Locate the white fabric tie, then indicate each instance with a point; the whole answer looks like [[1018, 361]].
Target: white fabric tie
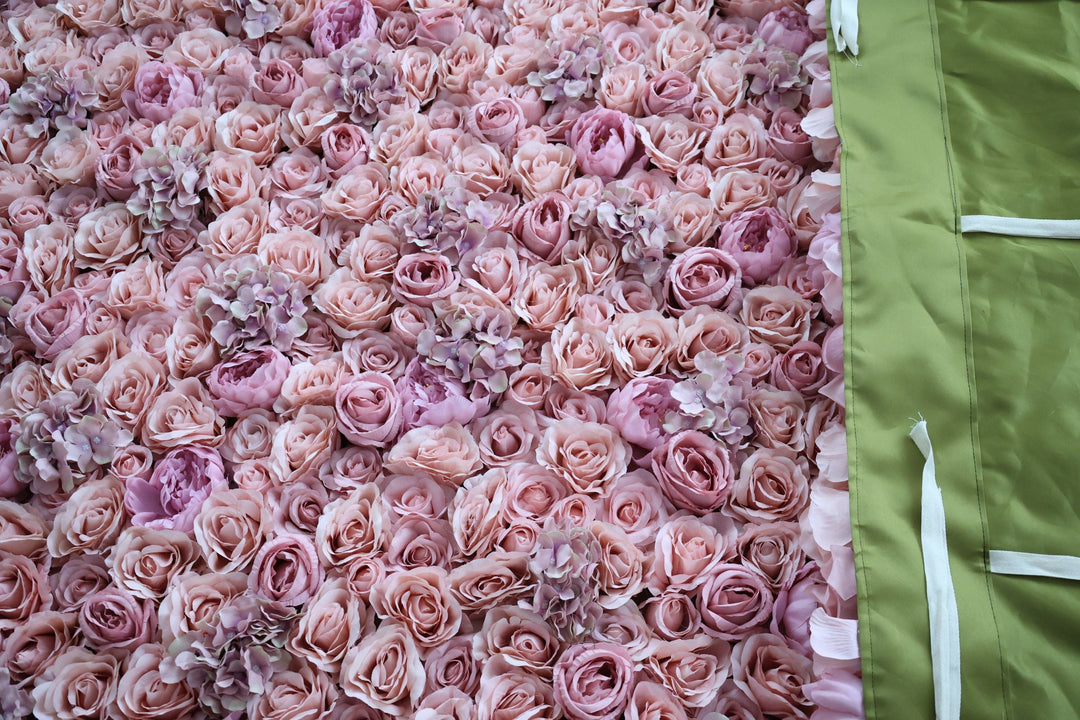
[[1006, 562], [941, 599], [1022, 227], [845, 23]]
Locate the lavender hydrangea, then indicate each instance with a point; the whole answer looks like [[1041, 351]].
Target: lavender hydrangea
[[775, 74], [569, 70], [252, 18], [714, 400], [168, 188], [53, 101], [65, 439], [361, 82], [640, 231], [565, 562], [450, 222], [479, 346], [250, 304], [15, 702], [231, 657]]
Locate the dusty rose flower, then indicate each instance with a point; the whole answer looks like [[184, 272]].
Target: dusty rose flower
[[760, 241], [194, 599], [384, 671], [35, 643], [81, 685], [693, 670], [578, 355], [90, 520], [800, 369], [652, 701], [418, 541], [589, 456], [286, 569], [638, 408], [641, 343], [771, 486], [770, 672], [687, 549], [779, 419], [55, 324], [80, 577], [24, 590], [448, 454], [776, 315], [142, 694], [521, 638], [303, 444], [420, 600], [476, 512], [180, 416], [230, 528], [605, 143], [694, 470], [500, 578], [340, 22], [112, 619], [594, 681], [672, 615], [621, 568], [331, 624], [351, 527], [299, 693], [144, 561], [734, 602], [369, 409], [507, 693], [701, 276], [507, 435], [23, 531]]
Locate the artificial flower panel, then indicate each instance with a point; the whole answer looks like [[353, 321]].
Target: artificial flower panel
[[436, 359]]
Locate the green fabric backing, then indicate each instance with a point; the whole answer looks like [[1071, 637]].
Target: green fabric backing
[[963, 107]]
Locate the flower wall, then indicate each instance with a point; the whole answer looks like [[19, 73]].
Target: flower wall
[[435, 359]]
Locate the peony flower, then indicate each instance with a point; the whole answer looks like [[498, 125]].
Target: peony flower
[[173, 495], [340, 22]]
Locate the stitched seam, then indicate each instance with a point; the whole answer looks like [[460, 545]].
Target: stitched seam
[[968, 344]]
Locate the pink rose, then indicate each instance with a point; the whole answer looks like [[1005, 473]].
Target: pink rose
[[35, 643], [579, 356], [90, 520], [142, 694], [669, 92], [694, 470], [449, 454], [688, 548], [79, 578], [507, 693], [772, 551], [500, 578], [57, 323], [776, 315], [507, 435], [286, 570], [277, 82], [542, 225], [424, 278], [344, 147], [637, 505], [779, 419], [248, 380], [800, 369], [384, 671], [772, 486], [145, 561], [693, 670], [773, 675], [652, 701], [369, 409], [352, 527], [672, 615], [594, 681], [605, 143], [520, 637], [590, 456], [339, 22], [417, 542], [760, 241], [787, 136], [420, 600], [81, 685], [497, 121], [112, 619], [173, 495], [161, 89], [701, 276], [734, 602], [437, 28], [332, 623]]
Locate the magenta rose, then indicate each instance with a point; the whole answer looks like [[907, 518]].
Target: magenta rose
[[161, 89], [694, 471], [339, 22], [112, 619], [605, 143], [248, 380], [760, 241], [286, 570], [175, 492], [594, 681], [369, 409]]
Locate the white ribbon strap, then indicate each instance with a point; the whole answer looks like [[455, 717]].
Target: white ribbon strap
[[1022, 227], [944, 619], [845, 23], [1006, 562]]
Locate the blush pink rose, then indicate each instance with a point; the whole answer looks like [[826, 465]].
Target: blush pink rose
[[772, 486], [247, 381], [590, 456], [384, 671], [421, 601], [773, 675], [776, 315], [605, 143], [734, 602], [594, 681], [701, 276], [112, 619], [760, 241], [82, 684], [339, 22], [542, 225], [694, 470], [161, 89], [55, 325], [800, 369], [688, 548]]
